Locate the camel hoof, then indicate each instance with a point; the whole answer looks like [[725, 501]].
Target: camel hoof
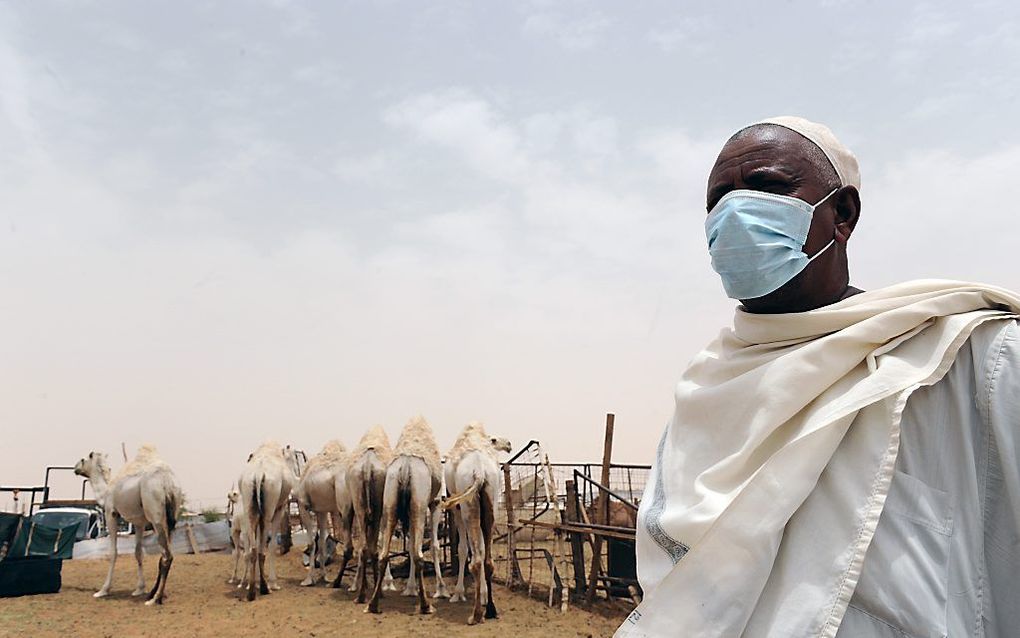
[[139, 591], [352, 589], [307, 582], [427, 610], [101, 594], [457, 598], [372, 610], [409, 592], [274, 587], [153, 601], [389, 587], [492, 614], [475, 620]]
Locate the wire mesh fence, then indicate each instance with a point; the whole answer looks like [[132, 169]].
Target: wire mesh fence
[[550, 521]]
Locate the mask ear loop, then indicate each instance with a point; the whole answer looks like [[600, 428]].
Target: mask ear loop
[[822, 200], [833, 241], [818, 254]]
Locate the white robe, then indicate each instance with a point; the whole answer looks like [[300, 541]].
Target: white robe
[[760, 415]]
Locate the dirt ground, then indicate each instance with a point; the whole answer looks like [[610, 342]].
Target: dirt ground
[[200, 603]]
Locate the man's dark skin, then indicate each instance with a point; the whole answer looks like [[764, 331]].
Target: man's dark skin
[[775, 159]]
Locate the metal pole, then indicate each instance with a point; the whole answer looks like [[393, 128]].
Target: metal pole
[[576, 542], [513, 571]]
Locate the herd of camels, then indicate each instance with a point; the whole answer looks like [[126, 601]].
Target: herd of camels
[[362, 494]]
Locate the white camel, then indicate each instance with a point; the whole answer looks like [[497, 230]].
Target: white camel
[[472, 469], [265, 483], [471, 438], [413, 479], [366, 480], [238, 535], [322, 491], [145, 491]]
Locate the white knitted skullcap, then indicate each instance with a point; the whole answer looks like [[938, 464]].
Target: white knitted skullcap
[[839, 156]]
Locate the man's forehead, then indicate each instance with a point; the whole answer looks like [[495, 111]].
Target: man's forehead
[[775, 147], [766, 141]]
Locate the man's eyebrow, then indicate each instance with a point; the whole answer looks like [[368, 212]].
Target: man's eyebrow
[[761, 178]]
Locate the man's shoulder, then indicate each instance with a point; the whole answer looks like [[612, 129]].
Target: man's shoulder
[[992, 338]]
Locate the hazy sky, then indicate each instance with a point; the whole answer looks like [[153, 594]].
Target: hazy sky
[[221, 222]]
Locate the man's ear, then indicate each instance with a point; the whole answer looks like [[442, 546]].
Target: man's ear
[[847, 207]]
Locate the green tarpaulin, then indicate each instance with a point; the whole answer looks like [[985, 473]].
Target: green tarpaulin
[[8, 526], [39, 540]]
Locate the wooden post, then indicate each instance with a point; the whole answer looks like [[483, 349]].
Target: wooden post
[[561, 556], [602, 511], [195, 549], [576, 541], [513, 571]]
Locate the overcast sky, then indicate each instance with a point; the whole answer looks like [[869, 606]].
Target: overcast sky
[[222, 222]]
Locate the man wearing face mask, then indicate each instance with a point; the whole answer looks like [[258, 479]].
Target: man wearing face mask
[[840, 462]]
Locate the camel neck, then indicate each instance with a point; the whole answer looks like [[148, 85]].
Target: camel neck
[[100, 486]]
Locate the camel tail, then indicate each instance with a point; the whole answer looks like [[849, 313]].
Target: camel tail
[[366, 488], [487, 510], [457, 499], [404, 494], [258, 497], [171, 510]]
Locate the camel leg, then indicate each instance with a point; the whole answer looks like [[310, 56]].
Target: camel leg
[[112, 527], [372, 559], [166, 559], [389, 521], [388, 583], [318, 553], [441, 591], [271, 550], [410, 589], [252, 557], [140, 587], [474, 530], [266, 540], [323, 535], [419, 508], [462, 555], [345, 536], [361, 576], [235, 537], [488, 519]]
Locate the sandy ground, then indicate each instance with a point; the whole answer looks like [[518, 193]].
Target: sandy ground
[[200, 603]]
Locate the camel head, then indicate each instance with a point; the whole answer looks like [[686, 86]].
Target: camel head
[[92, 465], [290, 456], [500, 444]]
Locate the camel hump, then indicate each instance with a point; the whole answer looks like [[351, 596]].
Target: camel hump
[[417, 439]]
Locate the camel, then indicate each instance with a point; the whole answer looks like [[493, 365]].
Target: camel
[[413, 479], [265, 483], [471, 437], [473, 470], [145, 491], [322, 491], [366, 480], [619, 514], [239, 532]]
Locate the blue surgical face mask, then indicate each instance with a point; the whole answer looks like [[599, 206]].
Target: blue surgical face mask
[[756, 241]]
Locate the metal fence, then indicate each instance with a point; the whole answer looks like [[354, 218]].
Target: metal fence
[[553, 528]]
